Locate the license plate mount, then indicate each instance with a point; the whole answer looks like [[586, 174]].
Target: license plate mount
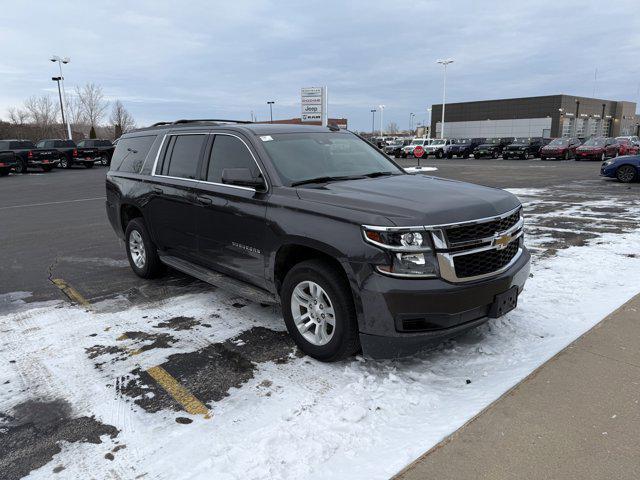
[[503, 303]]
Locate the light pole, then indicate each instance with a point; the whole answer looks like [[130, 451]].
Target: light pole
[[57, 80], [271, 109], [444, 63], [381, 107], [429, 121], [373, 121], [411, 115], [65, 60]]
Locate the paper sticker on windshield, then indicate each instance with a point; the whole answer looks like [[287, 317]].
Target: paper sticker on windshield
[[266, 138]]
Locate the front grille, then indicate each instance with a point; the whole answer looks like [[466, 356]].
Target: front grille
[[465, 233], [484, 262]]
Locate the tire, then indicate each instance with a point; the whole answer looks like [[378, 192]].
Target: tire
[[494, 154], [465, 155], [566, 155], [603, 157], [439, 154], [64, 162], [104, 161], [21, 167], [343, 340], [450, 155], [136, 235], [627, 174], [47, 168], [4, 172], [88, 164]]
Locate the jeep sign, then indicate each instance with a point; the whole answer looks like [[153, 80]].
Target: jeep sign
[[314, 104]]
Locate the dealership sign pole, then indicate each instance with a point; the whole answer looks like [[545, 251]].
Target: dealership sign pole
[[314, 105]]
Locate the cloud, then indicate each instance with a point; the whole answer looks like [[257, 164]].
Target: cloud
[[225, 59]]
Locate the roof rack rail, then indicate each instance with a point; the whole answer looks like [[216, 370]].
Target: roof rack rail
[[157, 124], [210, 120]]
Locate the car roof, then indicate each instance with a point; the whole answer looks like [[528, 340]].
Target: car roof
[[247, 127]]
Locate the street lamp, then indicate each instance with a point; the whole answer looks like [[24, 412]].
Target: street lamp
[[411, 115], [57, 80], [381, 107], [60, 61], [271, 109], [429, 121], [444, 63], [373, 120]]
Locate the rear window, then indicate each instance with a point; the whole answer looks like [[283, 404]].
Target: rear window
[[182, 156], [4, 145], [103, 143], [130, 153], [64, 144]]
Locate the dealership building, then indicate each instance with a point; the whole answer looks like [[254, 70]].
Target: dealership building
[[547, 116]]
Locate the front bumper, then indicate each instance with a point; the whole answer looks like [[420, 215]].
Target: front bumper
[[403, 316], [609, 171], [589, 155]]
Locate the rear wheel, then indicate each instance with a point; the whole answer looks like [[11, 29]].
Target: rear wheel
[[104, 161], [64, 162], [21, 167], [141, 251], [627, 174], [439, 154], [319, 311]]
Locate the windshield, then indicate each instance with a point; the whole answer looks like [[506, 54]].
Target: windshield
[[438, 142], [462, 141], [594, 142], [417, 142], [559, 142], [492, 141], [521, 140], [304, 156]]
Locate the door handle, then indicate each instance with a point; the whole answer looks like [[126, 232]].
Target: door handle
[[204, 200], [157, 190]]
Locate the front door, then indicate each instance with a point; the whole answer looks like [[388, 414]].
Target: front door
[[231, 221], [172, 206]]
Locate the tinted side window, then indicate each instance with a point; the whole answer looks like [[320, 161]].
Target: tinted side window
[[4, 145], [130, 153], [84, 143], [229, 152], [183, 153]]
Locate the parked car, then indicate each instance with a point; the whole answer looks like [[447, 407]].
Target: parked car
[[358, 252], [626, 146], [69, 153], [523, 148], [105, 148], [438, 147], [632, 138], [492, 147], [407, 151], [560, 149], [597, 148], [396, 147], [463, 147], [27, 155], [8, 161], [626, 169]]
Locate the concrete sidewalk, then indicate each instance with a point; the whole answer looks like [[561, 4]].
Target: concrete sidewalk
[[576, 417]]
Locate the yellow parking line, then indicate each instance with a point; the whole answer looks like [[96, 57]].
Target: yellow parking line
[[180, 394], [71, 292]]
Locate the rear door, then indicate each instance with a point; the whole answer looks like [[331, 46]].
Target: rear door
[[231, 219], [171, 208]]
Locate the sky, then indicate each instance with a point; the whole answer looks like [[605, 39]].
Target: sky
[[225, 59]]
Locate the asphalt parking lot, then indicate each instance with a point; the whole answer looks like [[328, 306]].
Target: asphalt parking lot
[[216, 355]]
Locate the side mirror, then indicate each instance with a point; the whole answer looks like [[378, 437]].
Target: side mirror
[[242, 177]]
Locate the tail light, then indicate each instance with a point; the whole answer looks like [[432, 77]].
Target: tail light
[[29, 154], [75, 152]]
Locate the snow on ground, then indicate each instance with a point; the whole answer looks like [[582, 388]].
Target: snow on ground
[[420, 169], [359, 419]]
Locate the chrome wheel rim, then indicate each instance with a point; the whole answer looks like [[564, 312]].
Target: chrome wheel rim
[[313, 313], [136, 248]]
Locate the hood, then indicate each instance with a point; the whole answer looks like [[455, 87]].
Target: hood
[[554, 147], [487, 145], [589, 148], [413, 199]]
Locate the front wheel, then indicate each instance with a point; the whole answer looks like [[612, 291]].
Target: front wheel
[[319, 312], [439, 154], [627, 174], [104, 161], [64, 162], [494, 155], [141, 251]]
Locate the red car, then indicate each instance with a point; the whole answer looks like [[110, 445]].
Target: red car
[[626, 147], [560, 149], [597, 148]]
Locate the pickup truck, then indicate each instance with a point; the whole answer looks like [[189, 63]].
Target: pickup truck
[[27, 155], [105, 148], [8, 162], [360, 254], [69, 153]]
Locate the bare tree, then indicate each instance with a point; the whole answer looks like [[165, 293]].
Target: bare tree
[[392, 128], [18, 116], [74, 112], [43, 114], [121, 119], [92, 103]]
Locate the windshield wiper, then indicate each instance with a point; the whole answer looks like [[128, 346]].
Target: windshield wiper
[[325, 179], [379, 174]]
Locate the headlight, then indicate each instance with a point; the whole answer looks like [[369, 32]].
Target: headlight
[[410, 251]]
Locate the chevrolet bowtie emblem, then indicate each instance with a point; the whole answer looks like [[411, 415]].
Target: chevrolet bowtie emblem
[[502, 241]]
